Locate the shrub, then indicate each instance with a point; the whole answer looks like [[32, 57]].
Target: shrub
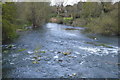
[[106, 24]]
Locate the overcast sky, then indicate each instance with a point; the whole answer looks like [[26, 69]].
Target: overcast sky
[[72, 2], [65, 2]]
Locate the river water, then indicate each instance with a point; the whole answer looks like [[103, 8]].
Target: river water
[[59, 51]]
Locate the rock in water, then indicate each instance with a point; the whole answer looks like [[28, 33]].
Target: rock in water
[[30, 52], [55, 57]]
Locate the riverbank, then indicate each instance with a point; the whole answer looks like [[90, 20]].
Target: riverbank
[[92, 26], [98, 18]]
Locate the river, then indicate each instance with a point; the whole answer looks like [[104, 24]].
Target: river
[[60, 51]]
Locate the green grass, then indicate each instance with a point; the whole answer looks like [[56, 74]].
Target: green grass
[[68, 18], [21, 50], [42, 52]]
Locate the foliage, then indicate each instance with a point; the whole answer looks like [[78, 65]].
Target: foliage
[[16, 16], [91, 9], [36, 12], [8, 21], [0, 23], [81, 22], [106, 24], [98, 17]]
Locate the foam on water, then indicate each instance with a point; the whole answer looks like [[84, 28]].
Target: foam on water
[[100, 51]]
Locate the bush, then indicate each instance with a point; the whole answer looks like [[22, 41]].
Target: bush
[[106, 24], [8, 21], [9, 31], [79, 22]]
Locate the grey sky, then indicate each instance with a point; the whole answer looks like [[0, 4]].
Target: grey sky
[[65, 2]]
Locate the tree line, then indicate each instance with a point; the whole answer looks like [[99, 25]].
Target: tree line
[[98, 17], [17, 15]]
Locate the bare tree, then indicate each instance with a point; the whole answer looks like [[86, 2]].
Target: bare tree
[[35, 12]]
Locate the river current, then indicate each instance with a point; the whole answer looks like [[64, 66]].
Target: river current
[[60, 51]]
